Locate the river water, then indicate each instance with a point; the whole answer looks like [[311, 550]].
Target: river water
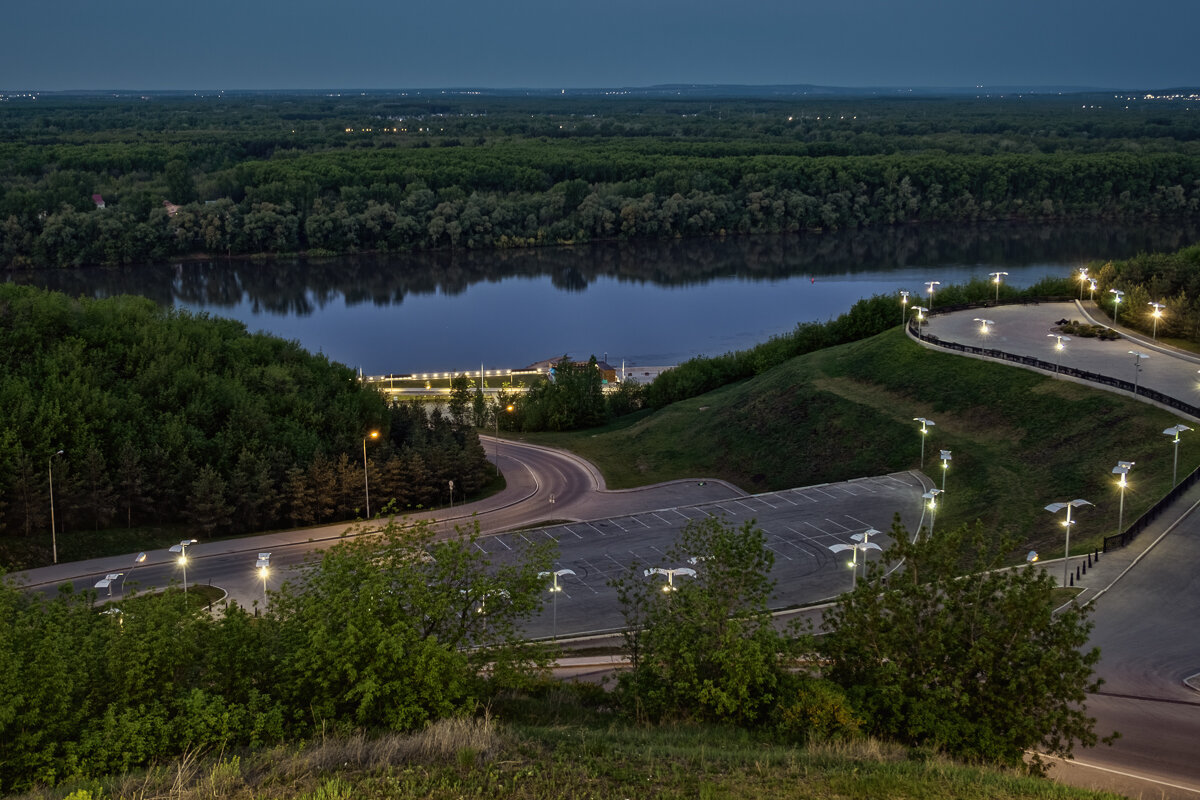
[[644, 303]]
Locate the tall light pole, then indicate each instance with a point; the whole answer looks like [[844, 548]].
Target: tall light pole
[[107, 581], [996, 279], [1175, 430], [926, 424], [670, 573], [1157, 314], [138, 559], [1083, 278], [1091, 291], [366, 479], [53, 533], [863, 543], [903, 307], [263, 565], [1058, 348], [945, 467], [1117, 295], [983, 325], [931, 496], [932, 284], [1054, 508], [1122, 469], [920, 315], [181, 548], [555, 589], [1137, 367]]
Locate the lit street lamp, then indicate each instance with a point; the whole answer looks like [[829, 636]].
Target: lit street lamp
[[996, 279], [931, 496], [555, 589], [1091, 291], [1117, 295], [945, 467], [670, 573], [181, 548], [138, 559], [1122, 469], [862, 542], [263, 565], [1137, 367], [367, 480], [903, 307], [932, 284], [1054, 508], [983, 325], [926, 424], [1058, 348], [53, 533], [920, 315], [1157, 314], [107, 581], [1175, 430], [1083, 278]]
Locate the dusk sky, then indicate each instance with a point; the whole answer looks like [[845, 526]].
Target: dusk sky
[[382, 44]]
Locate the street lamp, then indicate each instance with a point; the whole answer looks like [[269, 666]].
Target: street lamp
[[53, 533], [1058, 348], [181, 548], [1117, 295], [670, 573], [367, 480], [1158, 307], [1054, 508], [926, 424], [862, 541], [138, 559], [1122, 469], [107, 581], [1091, 291], [903, 307], [263, 565], [555, 589], [932, 284], [1175, 430], [931, 496], [1083, 278], [983, 325], [945, 467], [996, 277], [920, 315], [1137, 367]]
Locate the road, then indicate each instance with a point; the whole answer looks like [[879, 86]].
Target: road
[[598, 532]]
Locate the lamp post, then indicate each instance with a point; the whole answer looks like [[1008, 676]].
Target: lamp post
[[903, 307], [263, 565], [181, 548], [555, 589], [920, 315], [138, 559], [1122, 469], [1083, 278], [932, 284], [862, 542], [1137, 367], [1091, 290], [1117, 295], [983, 325], [1157, 314], [996, 278], [1058, 348], [53, 533], [931, 496], [926, 424], [1054, 508], [945, 467], [366, 479], [1175, 430], [107, 581]]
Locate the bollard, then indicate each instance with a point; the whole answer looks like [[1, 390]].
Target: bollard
[[1072, 581], [1089, 559], [1076, 573]]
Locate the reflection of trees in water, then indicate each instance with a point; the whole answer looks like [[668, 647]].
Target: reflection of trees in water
[[300, 287]]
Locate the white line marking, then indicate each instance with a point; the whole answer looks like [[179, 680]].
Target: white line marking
[[568, 528]]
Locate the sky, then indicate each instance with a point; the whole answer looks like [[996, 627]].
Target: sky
[[56, 45]]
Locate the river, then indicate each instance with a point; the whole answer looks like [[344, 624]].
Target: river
[[643, 303]]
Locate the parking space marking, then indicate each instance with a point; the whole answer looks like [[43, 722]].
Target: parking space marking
[[776, 552], [660, 519], [500, 539], [549, 536], [614, 522], [866, 525], [568, 528], [638, 521], [748, 507], [593, 527], [785, 498], [726, 510]]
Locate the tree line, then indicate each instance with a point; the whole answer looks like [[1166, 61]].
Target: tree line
[[1170, 280], [145, 416]]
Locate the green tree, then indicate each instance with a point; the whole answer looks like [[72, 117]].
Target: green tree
[[704, 646], [958, 653], [207, 506]]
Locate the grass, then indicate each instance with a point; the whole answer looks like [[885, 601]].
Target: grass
[[1020, 440], [554, 748]]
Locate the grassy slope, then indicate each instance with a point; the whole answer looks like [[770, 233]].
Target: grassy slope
[[1020, 440]]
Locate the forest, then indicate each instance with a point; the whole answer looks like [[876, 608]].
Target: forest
[[284, 174], [145, 416]]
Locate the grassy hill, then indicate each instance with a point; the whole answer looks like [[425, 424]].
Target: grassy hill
[[1020, 440]]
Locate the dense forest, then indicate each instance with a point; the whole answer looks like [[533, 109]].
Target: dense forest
[[1160, 292], [252, 174], [151, 416]]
